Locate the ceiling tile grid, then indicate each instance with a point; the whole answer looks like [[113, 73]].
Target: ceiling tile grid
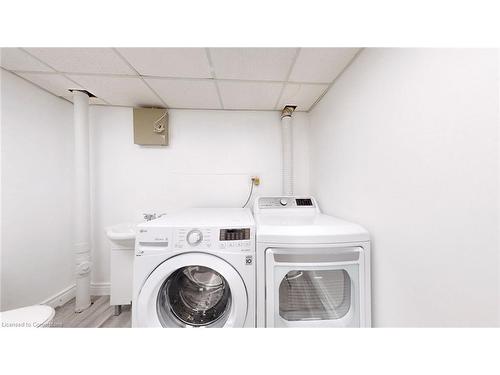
[[252, 64], [250, 95], [82, 60], [302, 95], [168, 62], [121, 91], [195, 78], [17, 59], [321, 64], [181, 93], [57, 84]]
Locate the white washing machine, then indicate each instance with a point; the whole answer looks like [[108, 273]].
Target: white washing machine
[[313, 270], [195, 268]]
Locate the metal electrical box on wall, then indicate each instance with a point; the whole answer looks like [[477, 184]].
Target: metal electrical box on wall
[[150, 126]]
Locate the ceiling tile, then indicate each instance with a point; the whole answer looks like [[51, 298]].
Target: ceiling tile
[[126, 91], [83, 60], [249, 95], [266, 64], [57, 84], [169, 62], [16, 59], [301, 95], [321, 64], [92, 101], [181, 93]]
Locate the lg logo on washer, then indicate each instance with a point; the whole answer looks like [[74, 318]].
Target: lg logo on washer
[[152, 239]]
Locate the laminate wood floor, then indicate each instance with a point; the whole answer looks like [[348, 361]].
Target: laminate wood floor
[[98, 315]]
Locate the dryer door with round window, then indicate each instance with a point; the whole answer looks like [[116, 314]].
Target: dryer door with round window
[[193, 290], [318, 287]]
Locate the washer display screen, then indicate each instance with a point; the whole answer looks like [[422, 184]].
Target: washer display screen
[[234, 234]]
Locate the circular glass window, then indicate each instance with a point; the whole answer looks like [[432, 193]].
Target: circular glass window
[[195, 296]]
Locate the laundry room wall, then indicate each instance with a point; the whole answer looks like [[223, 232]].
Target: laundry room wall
[[498, 171], [37, 157], [406, 143], [208, 163]]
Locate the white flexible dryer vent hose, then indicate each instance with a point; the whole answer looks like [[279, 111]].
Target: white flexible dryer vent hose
[[287, 145]]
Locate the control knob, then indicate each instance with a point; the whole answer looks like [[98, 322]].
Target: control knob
[[194, 237], [283, 202]]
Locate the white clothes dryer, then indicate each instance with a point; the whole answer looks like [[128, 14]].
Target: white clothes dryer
[[195, 268], [313, 270]]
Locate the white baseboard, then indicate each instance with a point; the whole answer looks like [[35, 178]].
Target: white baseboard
[[67, 294], [100, 289], [60, 298]]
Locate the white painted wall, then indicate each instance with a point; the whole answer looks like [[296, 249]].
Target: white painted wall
[[37, 157], [208, 163], [406, 143], [498, 173]]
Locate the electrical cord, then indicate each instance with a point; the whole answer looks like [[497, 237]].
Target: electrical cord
[[159, 125], [249, 195]]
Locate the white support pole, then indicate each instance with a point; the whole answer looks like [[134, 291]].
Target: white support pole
[[81, 230], [287, 147]]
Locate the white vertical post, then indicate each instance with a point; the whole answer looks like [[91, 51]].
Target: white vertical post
[[81, 230], [287, 145]]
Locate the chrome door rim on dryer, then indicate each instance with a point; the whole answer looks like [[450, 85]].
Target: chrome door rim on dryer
[[148, 300]]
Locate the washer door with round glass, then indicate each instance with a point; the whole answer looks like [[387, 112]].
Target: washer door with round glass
[[193, 290]]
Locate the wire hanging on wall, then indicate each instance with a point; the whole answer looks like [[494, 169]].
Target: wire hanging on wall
[[249, 195], [160, 124]]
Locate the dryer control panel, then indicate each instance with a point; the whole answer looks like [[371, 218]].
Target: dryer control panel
[[286, 202]]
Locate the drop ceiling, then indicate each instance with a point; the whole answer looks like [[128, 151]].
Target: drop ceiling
[[195, 78]]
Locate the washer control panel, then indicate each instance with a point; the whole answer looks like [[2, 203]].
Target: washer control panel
[[213, 238]]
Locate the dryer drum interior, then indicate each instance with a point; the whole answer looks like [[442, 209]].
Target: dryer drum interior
[[315, 295], [195, 295]]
